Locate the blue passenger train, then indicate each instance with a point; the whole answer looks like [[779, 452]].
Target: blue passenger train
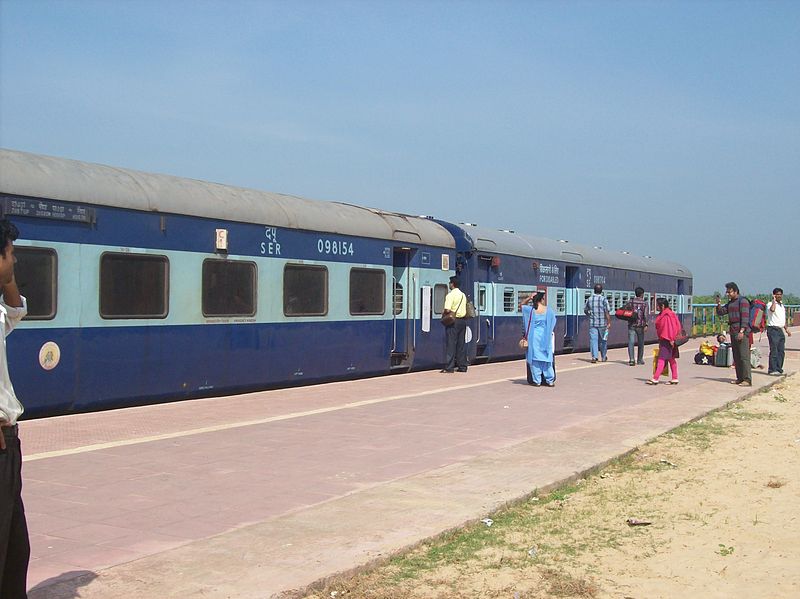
[[145, 288]]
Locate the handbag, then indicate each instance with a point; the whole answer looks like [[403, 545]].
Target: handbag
[[681, 338], [470, 310], [628, 314], [523, 343], [449, 318]]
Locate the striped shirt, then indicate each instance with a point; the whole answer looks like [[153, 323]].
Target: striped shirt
[[597, 308], [738, 312]]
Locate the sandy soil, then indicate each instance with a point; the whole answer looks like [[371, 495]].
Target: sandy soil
[[722, 496]]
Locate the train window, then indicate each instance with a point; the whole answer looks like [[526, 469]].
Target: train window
[[36, 275], [610, 298], [618, 303], [133, 286], [439, 293], [561, 301], [482, 299], [367, 291], [229, 288], [305, 290], [398, 298], [508, 300], [522, 296]]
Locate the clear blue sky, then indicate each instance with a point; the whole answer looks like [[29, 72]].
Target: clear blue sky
[[662, 128]]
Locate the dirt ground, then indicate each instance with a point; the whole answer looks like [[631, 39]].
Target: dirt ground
[[722, 496]]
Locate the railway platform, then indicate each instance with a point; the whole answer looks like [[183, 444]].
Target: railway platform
[[253, 495]]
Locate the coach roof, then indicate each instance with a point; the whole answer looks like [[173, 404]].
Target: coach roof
[[36, 176], [484, 239]]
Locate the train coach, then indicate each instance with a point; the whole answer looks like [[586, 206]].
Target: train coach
[[144, 288], [501, 268]]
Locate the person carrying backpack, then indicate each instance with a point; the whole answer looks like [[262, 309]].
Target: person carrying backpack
[[738, 311], [637, 326]]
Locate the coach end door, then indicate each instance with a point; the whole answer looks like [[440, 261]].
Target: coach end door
[[573, 308], [403, 310], [484, 323]]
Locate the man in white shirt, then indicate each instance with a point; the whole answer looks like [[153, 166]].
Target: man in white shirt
[[776, 326], [14, 544]]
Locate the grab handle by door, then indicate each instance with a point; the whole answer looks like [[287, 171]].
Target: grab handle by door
[[394, 314]]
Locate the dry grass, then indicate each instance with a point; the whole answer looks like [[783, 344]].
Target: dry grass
[[573, 542], [563, 584]]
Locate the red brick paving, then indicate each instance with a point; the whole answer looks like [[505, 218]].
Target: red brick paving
[[276, 460]]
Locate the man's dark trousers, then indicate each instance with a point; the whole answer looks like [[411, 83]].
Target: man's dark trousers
[[15, 548], [777, 348], [456, 345], [741, 358]]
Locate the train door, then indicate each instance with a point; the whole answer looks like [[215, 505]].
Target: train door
[[573, 307], [404, 310], [681, 307], [484, 322]]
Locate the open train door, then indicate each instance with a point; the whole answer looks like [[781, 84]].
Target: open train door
[[484, 321], [683, 308], [572, 309], [404, 310]]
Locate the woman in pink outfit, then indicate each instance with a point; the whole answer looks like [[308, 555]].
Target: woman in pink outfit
[[668, 327]]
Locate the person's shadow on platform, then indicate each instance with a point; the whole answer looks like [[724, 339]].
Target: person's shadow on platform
[[719, 379], [63, 586]]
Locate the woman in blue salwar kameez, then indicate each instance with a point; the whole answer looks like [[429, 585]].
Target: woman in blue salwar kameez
[[539, 356]]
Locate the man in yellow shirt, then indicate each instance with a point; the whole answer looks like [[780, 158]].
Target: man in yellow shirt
[[455, 303]]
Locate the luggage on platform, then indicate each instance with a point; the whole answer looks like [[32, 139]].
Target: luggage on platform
[[655, 364], [755, 357], [724, 355], [703, 359]]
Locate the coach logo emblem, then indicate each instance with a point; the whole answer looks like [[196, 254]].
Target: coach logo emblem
[[49, 355]]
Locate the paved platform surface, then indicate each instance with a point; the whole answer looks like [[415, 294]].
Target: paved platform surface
[[249, 496]]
